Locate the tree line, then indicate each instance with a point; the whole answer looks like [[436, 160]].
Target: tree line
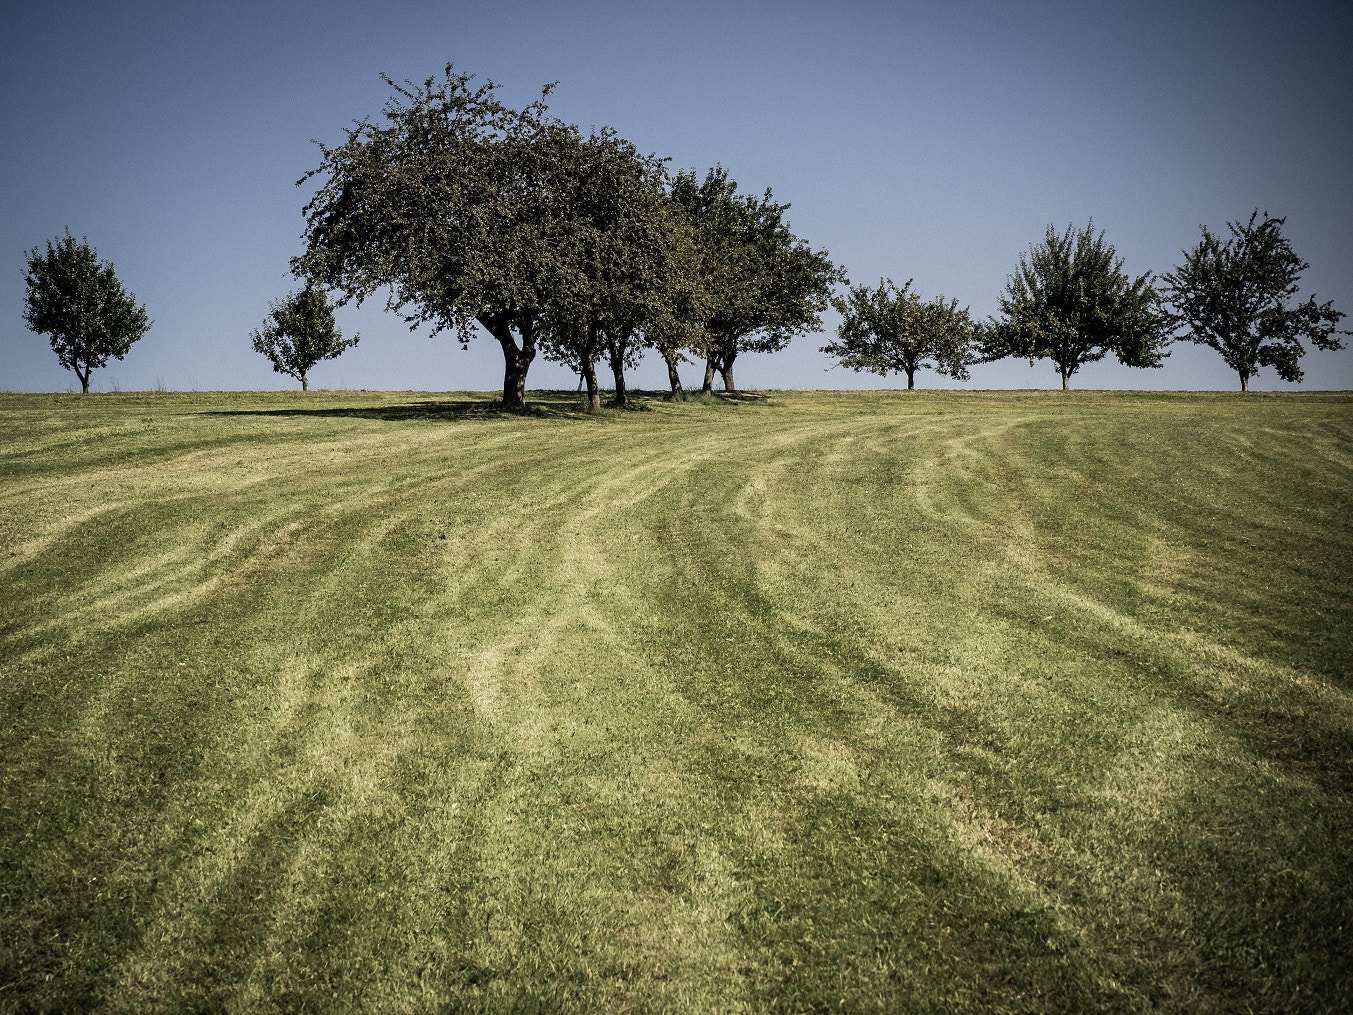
[[480, 219]]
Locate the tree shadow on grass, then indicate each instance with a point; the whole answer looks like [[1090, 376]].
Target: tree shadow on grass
[[560, 405], [539, 405]]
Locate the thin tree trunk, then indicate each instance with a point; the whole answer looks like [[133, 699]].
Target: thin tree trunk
[[911, 379], [673, 377], [589, 372], [305, 385], [1065, 378], [84, 379], [708, 387], [617, 358]]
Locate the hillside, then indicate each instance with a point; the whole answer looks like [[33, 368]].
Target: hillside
[[940, 701]]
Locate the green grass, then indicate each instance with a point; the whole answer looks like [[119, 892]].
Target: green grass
[[922, 702]]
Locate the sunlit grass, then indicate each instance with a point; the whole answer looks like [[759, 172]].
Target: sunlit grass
[[897, 702]]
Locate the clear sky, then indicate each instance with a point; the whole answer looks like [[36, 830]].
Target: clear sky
[[932, 141]]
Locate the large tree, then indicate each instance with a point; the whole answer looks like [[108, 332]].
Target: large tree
[[890, 330], [1235, 297], [766, 285], [78, 302], [299, 332], [1069, 301], [454, 202]]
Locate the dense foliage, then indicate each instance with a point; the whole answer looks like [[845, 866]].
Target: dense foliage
[[890, 330], [1069, 301], [1235, 297], [301, 331], [79, 303]]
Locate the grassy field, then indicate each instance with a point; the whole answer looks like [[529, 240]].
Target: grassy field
[[931, 702]]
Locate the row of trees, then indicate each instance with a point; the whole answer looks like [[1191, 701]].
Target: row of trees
[[472, 215], [1070, 302], [476, 218]]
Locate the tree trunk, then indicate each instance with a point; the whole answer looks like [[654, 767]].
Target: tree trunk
[[589, 372], [617, 358], [1065, 378], [514, 381], [516, 359], [1244, 381], [673, 377], [84, 379], [726, 372], [305, 385], [708, 387], [911, 379]]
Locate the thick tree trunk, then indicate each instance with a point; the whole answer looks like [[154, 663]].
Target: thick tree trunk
[[708, 387], [305, 385], [1066, 377], [516, 359], [514, 381], [911, 379], [726, 372], [1244, 382], [673, 378]]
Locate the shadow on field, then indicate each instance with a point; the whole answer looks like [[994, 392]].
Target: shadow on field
[[539, 405]]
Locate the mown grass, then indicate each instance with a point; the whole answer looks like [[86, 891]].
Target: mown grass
[[942, 701]]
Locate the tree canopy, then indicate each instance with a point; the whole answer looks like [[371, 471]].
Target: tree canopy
[[890, 330], [1235, 297], [764, 284], [1069, 301], [299, 332], [79, 303]]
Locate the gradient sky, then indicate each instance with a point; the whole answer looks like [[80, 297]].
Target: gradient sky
[[913, 140]]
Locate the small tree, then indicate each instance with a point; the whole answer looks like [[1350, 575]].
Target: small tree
[[1070, 302], [79, 303], [890, 330], [299, 332], [1234, 297]]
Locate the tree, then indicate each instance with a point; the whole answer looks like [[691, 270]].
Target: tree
[[453, 201], [1234, 297], [765, 285], [299, 332], [79, 303], [890, 330], [623, 264], [1070, 302]]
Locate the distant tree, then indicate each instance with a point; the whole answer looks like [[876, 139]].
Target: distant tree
[[299, 332], [765, 285], [1069, 301], [453, 201], [890, 330], [1235, 298], [78, 302]]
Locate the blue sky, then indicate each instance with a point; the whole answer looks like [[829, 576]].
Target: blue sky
[[926, 141]]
